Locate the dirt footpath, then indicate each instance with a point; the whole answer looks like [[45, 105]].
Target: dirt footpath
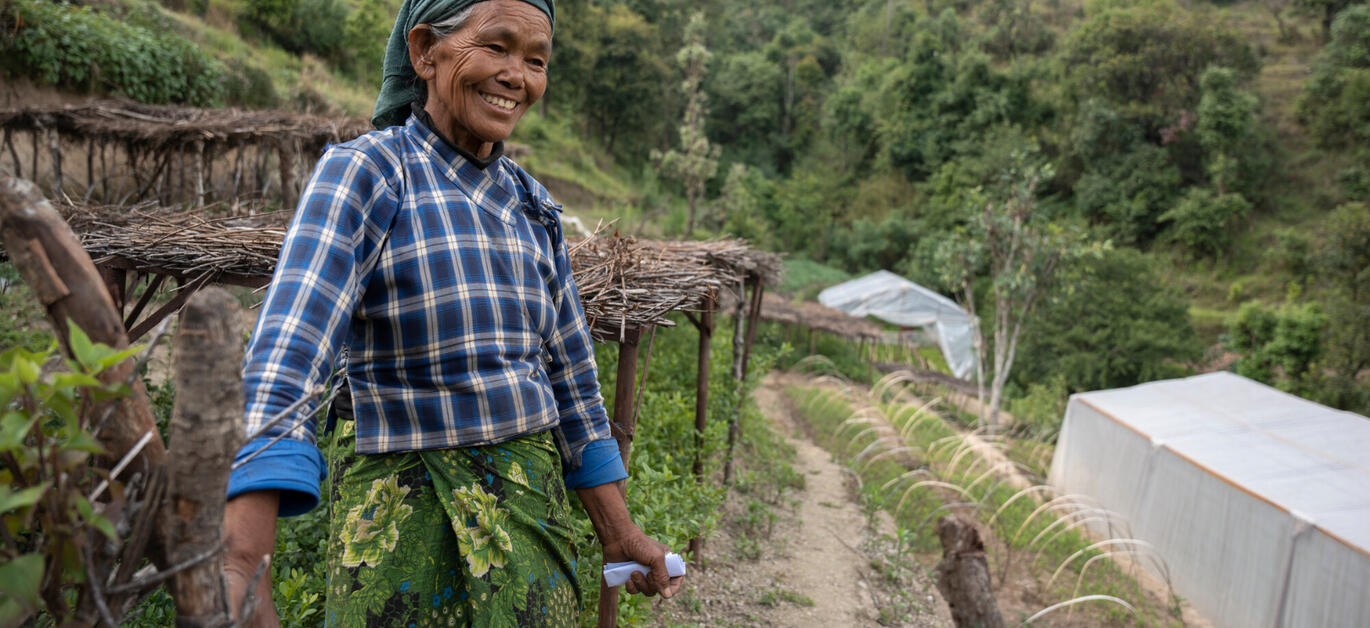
[[816, 569]]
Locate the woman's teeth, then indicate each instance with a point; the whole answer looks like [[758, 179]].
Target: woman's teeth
[[502, 103]]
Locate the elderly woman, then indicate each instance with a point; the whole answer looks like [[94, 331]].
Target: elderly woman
[[439, 266]]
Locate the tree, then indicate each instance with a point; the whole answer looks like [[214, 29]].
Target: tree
[[1226, 120], [1022, 255], [1336, 101], [1145, 59], [1329, 10], [1345, 265], [1120, 323], [697, 160]]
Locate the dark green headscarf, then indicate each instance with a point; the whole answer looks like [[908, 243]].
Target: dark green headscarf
[[397, 88]]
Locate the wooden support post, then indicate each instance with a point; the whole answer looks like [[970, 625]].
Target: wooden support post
[[623, 425], [104, 172], [963, 575], [55, 147], [199, 174], [205, 435], [286, 154], [734, 422], [14, 154], [706, 334], [62, 277]]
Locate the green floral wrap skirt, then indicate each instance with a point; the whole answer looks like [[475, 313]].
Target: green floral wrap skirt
[[476, 536]]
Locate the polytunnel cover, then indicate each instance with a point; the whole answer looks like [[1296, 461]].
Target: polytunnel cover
[[898, 301], [1257, 500]]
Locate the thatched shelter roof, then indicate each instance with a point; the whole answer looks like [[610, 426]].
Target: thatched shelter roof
[[624, 282], [160, 127]]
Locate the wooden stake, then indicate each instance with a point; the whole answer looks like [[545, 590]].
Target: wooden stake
[[623, 425], [199, 174], [204, 433], [706, 334], [734, 422]]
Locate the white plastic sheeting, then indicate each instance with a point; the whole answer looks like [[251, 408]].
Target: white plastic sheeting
[[1258, 501], [898, 301]]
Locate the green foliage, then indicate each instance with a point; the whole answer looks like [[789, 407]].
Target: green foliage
[[1336, 100], [50, 526], [84, 49], [1146, 59], [941, 100], [602, 70], [1203, 221], [313, 26], [1041, 410], [697, 160], [1344, 265], [1119, 323], [26, 329], [1128, 193], [1278, 346], [365, 33], [1225, 126]]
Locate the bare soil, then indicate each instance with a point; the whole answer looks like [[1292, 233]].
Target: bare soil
[[816, 568]]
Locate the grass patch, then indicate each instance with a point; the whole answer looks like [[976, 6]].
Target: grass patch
[[776, 597]]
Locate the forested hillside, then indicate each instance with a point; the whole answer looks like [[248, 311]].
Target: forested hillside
[[1201, 167]]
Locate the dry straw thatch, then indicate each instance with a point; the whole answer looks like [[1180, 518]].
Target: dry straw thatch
[[157, 127], [624, 282]]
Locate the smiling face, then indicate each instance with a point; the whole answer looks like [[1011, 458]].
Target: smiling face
[[485, 75]]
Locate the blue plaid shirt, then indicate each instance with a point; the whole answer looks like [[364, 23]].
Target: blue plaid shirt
[[451, 289]]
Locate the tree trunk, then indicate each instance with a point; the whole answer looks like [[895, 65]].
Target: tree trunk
[[963, 575], [205, 434]]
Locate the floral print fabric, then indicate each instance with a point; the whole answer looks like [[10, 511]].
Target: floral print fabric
[[476, 536]]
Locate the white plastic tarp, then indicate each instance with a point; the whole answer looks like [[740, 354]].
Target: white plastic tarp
[[898, 301], [1258, 501]]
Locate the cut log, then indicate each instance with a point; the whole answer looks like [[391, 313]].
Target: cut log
[[50, 259], [963, 575], [205, 434]]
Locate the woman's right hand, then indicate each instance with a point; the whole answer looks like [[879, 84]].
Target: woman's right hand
[[250, 535]]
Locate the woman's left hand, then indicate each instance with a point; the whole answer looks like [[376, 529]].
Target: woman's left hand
[[623, 540], [640, 548]]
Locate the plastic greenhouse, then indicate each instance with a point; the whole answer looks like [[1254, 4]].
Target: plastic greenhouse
[[898, 301], [1258, 501]]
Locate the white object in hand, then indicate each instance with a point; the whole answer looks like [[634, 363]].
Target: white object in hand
[[617, 574]]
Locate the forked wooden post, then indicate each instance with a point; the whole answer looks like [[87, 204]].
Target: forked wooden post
[[208, 356], [623, 424]]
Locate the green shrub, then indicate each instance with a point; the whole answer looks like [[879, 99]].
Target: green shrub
[[312, 26], [1336, 100], [81, 48], [1202, 221]]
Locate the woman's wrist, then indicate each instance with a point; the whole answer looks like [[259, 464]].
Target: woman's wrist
[[608, 512]]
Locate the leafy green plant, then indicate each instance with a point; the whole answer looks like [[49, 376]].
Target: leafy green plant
[[85, 49], [51, 526]]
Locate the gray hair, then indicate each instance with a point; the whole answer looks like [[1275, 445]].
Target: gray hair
[[444, 28]]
